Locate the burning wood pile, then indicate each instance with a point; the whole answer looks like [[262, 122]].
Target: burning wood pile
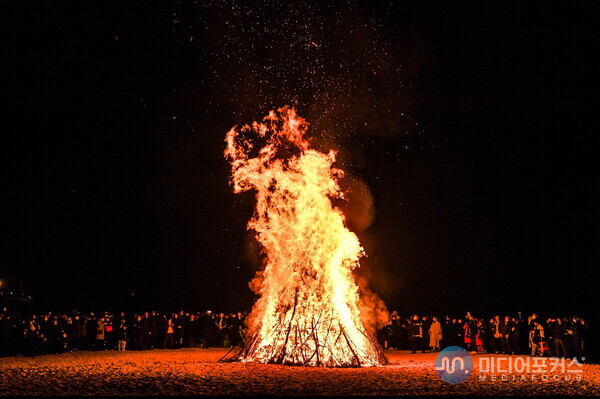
[[307, 312]]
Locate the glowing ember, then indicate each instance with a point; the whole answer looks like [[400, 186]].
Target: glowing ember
[[308, 310]]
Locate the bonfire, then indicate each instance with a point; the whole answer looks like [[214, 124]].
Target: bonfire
[[307, 312]]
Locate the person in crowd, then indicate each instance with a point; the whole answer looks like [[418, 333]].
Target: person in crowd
[[32, 337], [196, 330], [221, 323], [574, 330], [91, 331], [100, 337], [207, 324], [496, 333], [383, 335], [136, 333], [143, 331], [447, 328], [153, 341], [395, 327], [514, 334], [178, 330], [189, 338], [49, 334], [479, 334], [84, 341], [537, 335], [169, 334], [469, 331], [109, 332], [234, 325], [185, 329], [505, 328], [435, 334], [584, 335], [122, 336], [161, 327], [416, 334], [426, 324], [69, 331], [457, 332], [556, 331], [61, 341], [146, 332], [77, 332]]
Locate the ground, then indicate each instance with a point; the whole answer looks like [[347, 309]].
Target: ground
[[196, 372]]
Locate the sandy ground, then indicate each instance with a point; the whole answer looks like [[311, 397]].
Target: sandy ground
[[196, 372]]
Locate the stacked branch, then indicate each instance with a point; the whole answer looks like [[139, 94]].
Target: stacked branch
[[317, 340]]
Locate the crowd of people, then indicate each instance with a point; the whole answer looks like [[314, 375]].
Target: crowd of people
[[56, 333], [552, 336]]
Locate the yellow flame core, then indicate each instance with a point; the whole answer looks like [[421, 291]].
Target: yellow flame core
[[307, 312]]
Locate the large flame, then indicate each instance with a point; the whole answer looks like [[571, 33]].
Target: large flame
[[307, 312]]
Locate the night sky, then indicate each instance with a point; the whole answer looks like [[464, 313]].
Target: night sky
[[465, 128]]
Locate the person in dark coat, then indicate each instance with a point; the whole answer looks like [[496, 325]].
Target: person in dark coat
[[383, 335], [32, 337], [197, 331], [447, 328], [44, 325], [77, 332], [584, 334], [146, 332], [17, 337], [496, 326], [416, 334], [523, 334], [556, 331], [185, 330], [69, 330], [515, 336], [456, 332], [178, 330], [62, 341], [190, 336], [91, 332], [395, 327], [505, 328], [426, 325], [574, 330], [136, 333], [154, 338], [403, 334], [208, 327]]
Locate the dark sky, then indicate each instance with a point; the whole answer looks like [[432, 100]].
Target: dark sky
[[470, 124]]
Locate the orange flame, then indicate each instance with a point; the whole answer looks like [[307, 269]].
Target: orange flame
[[307, 312]]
